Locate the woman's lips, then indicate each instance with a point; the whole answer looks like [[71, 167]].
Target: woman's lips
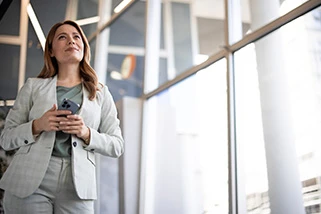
[[71, 49]]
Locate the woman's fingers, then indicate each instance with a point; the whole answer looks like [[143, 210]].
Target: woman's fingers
[[73, 125]]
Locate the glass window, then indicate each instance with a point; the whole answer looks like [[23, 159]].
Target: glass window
[[89, 29], [127, 39], [163, 75], [186, 146], [210, 18], [256, 14], [250, 140], [189, 30], [35, 53], [48, 13], [92, 45], [10, 22], [210, 35], [10, 59], [87, 9], [182, 37], [119, 85], [278, 113], [129, 29]]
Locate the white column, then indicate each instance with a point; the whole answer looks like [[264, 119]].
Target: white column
[[285, 191], [151, 73], [102, 41], [152, 44], [129, 166], [107, 168]]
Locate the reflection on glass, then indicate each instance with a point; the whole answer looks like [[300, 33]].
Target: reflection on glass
[[186, 133], [279, 119]]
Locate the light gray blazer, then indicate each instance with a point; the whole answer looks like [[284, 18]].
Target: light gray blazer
[[30, 162]]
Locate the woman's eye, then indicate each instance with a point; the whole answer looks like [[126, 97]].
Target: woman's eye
[[77, 36], [61, 37]]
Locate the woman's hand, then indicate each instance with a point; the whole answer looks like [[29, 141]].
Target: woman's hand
[[49, 121], [75, 125]]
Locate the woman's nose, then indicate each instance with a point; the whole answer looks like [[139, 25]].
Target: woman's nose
[[71, 42]]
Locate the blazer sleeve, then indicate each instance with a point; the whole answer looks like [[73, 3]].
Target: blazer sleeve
[[17, 131], [107, 140]]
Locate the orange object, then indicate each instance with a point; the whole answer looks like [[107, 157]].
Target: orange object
[[128, 66]]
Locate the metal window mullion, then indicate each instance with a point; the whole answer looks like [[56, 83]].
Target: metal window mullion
[[233, 32], [232, 155], [212, 59]]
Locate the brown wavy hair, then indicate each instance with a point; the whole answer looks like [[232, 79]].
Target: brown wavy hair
[[50, 68]]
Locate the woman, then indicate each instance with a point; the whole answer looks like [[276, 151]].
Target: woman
[[54, 169]]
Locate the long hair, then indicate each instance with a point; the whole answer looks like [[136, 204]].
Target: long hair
[[50, 68]]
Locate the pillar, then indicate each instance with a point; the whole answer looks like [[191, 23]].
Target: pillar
[[285, 191]]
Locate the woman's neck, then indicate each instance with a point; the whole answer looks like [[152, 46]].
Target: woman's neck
[[68, 76]]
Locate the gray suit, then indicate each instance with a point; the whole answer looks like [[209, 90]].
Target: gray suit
[[29, 165]]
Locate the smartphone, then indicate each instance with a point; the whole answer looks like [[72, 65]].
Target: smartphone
[[67, 104]]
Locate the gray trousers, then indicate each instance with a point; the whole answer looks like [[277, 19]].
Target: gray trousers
[[56, 194]]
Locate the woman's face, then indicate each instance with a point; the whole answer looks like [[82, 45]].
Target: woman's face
[[67, 45]]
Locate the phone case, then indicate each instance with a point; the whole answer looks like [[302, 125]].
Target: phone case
[[67, 104]]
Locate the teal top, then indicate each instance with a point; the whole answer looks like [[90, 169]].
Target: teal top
[[62, 147]]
